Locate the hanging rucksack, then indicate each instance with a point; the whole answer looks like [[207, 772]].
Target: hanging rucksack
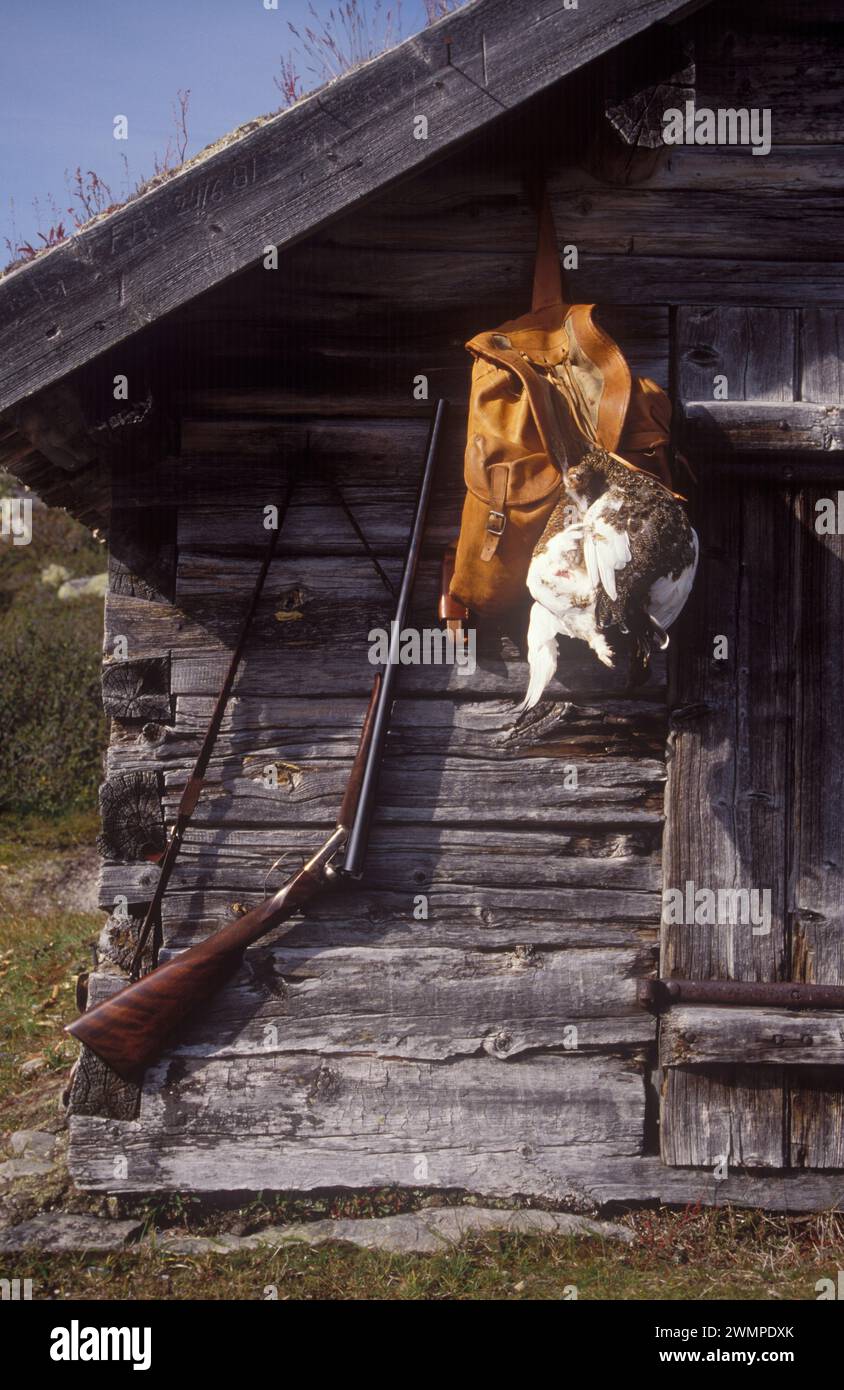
[[545, 388]]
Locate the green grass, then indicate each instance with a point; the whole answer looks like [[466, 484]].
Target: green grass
[[42, 950], [24, 840], [767, 1264], [40, 958]]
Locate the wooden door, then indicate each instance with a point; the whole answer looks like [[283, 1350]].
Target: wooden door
[[755, 797]]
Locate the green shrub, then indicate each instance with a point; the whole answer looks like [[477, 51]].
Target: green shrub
[[52, 728], [51, 720]]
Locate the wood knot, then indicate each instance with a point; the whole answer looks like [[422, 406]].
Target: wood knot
[[526, 956], [499, 1044], [290, 610], [325, 1085]]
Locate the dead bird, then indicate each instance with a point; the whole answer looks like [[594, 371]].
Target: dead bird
[[614, 568]]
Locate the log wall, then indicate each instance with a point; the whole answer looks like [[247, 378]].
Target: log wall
[[467, 1016]]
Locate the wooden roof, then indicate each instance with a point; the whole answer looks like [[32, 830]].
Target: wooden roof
[[278, 180]]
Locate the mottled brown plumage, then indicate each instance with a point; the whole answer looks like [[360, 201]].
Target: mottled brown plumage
[[612, 568]]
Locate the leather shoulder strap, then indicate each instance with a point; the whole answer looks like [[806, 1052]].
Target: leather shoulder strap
[[547, 275]]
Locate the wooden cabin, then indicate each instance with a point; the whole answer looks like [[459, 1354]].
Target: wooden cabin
[[474, 1015]]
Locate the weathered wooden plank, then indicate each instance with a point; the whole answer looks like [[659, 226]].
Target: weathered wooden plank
[[184, 1164], [817, 1118], [363, 456], [697, 202], [468, 286], [464, 916], [698, 1036], [749, 352], [423, 860], [354, 370], [735, 1113], [325, 607], [215, 217], [311, 728], [349, 673], [331, 577], [602, 219], [756, 815], [465, 189], [678, 280], [816, 886], [364, 1121], [355, 1103], [816, 879], [761, 427], [262, 327], [267, 790], [787, 169], [421, 1003], [415, 791], [822, 354], [357, 452], [309, 602], [726, 812], [775, 468], [317, 525], [338, 382], [774, 57]]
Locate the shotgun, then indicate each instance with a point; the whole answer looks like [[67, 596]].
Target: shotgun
[[129, 1030]]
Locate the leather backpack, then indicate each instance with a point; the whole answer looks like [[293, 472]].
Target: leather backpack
[[545, 388]]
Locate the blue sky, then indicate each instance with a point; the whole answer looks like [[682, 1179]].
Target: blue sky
[[68, 67]]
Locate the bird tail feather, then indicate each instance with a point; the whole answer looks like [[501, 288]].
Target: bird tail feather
[[542, 655]]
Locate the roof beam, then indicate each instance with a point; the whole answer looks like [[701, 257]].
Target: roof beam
[[292, 174]]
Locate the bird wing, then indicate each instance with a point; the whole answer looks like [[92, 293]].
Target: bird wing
[[545, 580], [668, 596], [606, 546]]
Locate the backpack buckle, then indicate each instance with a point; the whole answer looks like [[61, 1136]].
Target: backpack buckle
[[496, 528]]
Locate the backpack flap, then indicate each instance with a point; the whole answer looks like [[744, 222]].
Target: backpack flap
[[545, 387]]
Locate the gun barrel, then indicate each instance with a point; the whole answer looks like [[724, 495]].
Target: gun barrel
[[355, 854]]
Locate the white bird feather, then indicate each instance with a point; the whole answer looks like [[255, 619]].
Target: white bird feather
[[572, 567]]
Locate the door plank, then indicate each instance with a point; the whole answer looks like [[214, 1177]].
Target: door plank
[[817, 869], [735, 1113], [822, 344], [752, 348], [699, 1036], [731, 760]]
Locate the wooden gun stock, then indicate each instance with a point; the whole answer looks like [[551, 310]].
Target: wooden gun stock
[[129, 1030]]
